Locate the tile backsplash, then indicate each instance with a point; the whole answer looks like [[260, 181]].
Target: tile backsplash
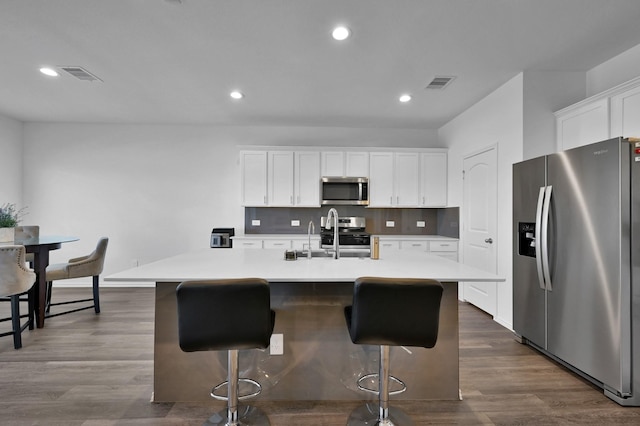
[[278, 220]]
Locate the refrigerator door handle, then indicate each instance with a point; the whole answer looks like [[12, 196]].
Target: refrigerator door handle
[[537, 237], [544, 241]]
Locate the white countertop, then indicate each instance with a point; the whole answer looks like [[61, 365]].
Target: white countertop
[[270, 265]]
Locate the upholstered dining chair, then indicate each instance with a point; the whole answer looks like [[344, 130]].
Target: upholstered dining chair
[[16, 280], [90, 265], [26, 232]]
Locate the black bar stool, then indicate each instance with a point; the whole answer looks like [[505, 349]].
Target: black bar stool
[[227, 315], [391, 312]]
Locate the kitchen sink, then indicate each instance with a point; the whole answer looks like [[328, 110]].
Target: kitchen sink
[[328, 254]]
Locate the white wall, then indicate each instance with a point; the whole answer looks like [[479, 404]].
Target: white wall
[[495, 120], [613, 72], [543, 93], [11, 161], [154, 190]]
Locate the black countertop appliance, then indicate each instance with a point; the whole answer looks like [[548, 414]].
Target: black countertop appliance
[[221, 237]]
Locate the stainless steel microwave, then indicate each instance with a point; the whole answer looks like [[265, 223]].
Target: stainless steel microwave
[[345, 190]]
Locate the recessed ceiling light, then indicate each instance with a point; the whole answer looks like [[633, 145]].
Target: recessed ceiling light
[[49, 71], [236, 94], [340, 33], [404, 98]]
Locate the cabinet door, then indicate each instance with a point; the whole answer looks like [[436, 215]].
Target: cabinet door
[[433, 178], [253, 166], [381, 179], [280, 181], [332, 163], [406, 179], [307, 179], [357, 164], [586, 124], [448, 250], [625, 110]]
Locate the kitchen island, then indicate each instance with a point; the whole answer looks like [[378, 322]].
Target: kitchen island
[[319, 362]]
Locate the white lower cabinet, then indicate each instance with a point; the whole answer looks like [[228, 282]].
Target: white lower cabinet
[[448, 250], [288, 243], [443, 248]]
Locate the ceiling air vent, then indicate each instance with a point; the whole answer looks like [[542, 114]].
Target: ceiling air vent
[[440, 83], [80, 73]]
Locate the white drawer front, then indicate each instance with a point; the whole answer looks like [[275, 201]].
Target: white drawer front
[[387, 245], [257, 244], [443, 246], [283, 244], [414, 245]]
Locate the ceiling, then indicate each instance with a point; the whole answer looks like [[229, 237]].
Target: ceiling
[[175, 61]]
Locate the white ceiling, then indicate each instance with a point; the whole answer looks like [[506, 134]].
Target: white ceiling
[[172, 61]]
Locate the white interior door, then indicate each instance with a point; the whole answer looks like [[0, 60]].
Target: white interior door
[[479, 225]]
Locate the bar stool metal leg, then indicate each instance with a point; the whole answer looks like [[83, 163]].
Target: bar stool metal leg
[[382, 415], [232, 415]]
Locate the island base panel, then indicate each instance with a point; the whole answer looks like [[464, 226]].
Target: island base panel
[[319, 362]]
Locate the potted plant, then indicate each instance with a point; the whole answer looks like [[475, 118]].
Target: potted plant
[[9, 219]]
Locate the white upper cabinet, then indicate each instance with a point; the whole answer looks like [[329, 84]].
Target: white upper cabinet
[[433, 179], [332, 163], [407, 179], [280, 178], [345, 163], [583, 125], [307, 179], [253, 176], [381, 182], [609, 114], [394, 179], [403, 178], [625, 114], [356, 164]]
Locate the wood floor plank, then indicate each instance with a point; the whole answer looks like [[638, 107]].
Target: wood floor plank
[[85, 369]]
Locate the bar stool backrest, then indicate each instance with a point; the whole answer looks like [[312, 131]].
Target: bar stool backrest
[[395, 312], [224, 314]]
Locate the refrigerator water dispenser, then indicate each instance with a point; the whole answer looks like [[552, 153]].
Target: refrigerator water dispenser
[[526, 239]]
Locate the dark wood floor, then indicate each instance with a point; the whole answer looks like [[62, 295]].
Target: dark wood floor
[[97, 370]]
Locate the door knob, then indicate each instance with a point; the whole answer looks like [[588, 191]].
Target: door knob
[[489, 241]]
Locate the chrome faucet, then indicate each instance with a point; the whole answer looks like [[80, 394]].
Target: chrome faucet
[[333, 212], [311, 229]]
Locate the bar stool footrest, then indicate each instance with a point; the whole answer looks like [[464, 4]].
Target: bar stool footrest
[[240, 397], [403, 386]]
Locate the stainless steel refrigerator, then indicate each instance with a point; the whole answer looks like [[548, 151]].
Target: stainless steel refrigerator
[[576, 262]]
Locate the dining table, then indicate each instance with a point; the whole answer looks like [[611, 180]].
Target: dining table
[[40, 246]]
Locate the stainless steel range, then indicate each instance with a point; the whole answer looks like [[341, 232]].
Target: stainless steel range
[[351, 233]]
